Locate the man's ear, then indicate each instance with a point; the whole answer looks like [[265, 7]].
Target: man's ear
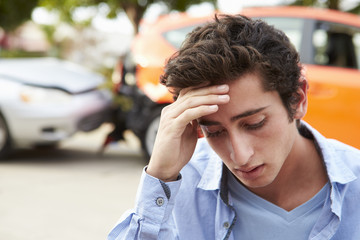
[[302, 104]]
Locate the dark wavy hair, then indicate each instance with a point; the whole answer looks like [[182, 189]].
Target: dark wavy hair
[[230, 47]]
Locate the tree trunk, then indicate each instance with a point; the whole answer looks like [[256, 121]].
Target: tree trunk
[[333, 4], [134, 12]]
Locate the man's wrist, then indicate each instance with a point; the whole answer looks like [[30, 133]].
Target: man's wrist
[[165, 177]]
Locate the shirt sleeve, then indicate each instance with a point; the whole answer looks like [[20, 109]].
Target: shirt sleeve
[[152, 216]]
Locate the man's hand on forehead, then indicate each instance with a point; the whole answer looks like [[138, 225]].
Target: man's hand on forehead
[[177, 134], [185, 90]]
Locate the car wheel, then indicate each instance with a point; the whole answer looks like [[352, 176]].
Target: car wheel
[[148, 138], [4, 138]]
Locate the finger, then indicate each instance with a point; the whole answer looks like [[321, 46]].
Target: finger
[[194, 102], [176, 126], [192, 97], [185, 90], [197, 91], [191, 114]]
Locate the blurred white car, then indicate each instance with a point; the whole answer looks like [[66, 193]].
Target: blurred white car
[[46, 100]]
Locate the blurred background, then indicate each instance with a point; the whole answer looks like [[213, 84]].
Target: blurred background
[[80, 99]]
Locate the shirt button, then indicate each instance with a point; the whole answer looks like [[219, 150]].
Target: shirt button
[[226, 224], [160, 201]]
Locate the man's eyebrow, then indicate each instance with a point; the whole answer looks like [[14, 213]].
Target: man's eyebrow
[[247, 113], [241, 115]]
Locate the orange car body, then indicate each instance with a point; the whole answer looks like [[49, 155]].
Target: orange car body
[[334, 93]]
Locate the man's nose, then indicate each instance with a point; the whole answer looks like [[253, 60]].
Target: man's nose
[[241, 149]]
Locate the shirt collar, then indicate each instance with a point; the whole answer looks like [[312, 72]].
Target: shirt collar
[[214, 177], [337, 170], [211, 177]]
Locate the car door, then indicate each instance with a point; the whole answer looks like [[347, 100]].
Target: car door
[[334, 93]]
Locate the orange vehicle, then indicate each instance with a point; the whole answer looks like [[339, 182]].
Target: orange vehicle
[[329, 45]]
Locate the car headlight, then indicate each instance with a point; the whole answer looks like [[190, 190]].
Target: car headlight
[[40, 95]]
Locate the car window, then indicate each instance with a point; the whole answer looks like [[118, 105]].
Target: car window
[[334, 44], [292, 27], [176, 36], [337, 45]]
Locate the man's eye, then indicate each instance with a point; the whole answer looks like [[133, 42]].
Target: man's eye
[[256, 125], [213, 134], [208, 132]]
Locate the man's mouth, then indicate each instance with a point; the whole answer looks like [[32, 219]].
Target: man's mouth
[[250, 173]]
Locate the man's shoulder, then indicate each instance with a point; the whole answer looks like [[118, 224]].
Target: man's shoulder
[[341, 160], [346, 153], [343, 147], [350, 157], [343, 164]]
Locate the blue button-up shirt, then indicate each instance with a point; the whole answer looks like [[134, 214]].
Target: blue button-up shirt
[[198, 206]]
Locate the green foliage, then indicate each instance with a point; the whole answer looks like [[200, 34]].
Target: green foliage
[[133, 8], [332, 4], [65, 8], [183, 5], [15, 12], [355, 10], [5, 53], [305, 2]]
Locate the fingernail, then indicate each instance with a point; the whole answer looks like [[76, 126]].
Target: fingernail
[[222, 87], [223, 97], [213, 107]]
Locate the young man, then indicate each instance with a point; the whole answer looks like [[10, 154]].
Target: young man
[[260, 172]]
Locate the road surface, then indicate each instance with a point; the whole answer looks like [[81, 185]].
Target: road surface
[[70, 193]]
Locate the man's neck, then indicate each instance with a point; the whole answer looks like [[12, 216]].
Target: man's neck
[[301, 177]]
